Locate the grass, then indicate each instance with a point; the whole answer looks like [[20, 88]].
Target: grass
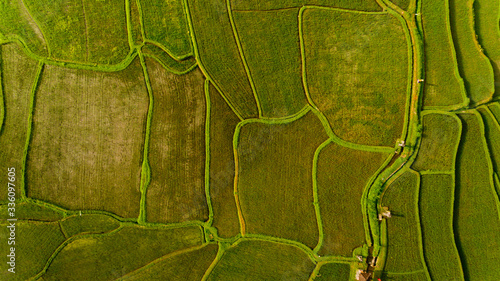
[[364, 5], [436, 219], [272, 51], [492, 136], [417, 276], [63, 26], [404, 244], [223, 123], [486, 17], [342, 174], [135, 23], [31, 211], [403, 4], [103, 131], [443, 85], [169, 63], [165, 23], [16, 22], [274, 176], [35, 243], [106, 45], [476, 217], [177, 147], [337, 271], [217, 53], [474, 66], [177, 266], [18, 74], [495, 110], [73, 30], [365, 100], [262, 260], [440, 138], [115, 254], [88, 223]]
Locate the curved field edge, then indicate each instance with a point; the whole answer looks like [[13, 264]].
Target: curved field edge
[[412, 70]]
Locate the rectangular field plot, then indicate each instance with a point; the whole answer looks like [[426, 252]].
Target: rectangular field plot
[[223, 123], [476, 217], [362, 5], [474, 66], [177, 147], [87, 139], [189, 264], [440, 138], [106, 45], [18, 75], [272, 51], [342, 174], [262, 260], [15, 21], [35, 243], [74, 30], [443, 84], [334, 271], [437, 193], [165, 23], [357, 73], [486, 15], [274, 180], [404, 245], [114, 255], [219, 56]]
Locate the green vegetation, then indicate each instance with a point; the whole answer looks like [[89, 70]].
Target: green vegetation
[[165, 23], [486, 18], [115, 254], [363, 5], [437, 192], [36, 242], [403, 4], [74, 29], [414, 276], [495, 110], [272, 51], [176, 67], [177, 147], [262, 260], [177, 265], [136, 32], [474, 66], [492, 134], [88, 223], [104, 132], [31, 211], [18, 74], [334, 271], [356, 69], [404, 244], [17, 23], [342, 174], [217, 52], [443, 85], [223, 123], [274, 176], [440, 139], [105, 45], [476, 219]]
